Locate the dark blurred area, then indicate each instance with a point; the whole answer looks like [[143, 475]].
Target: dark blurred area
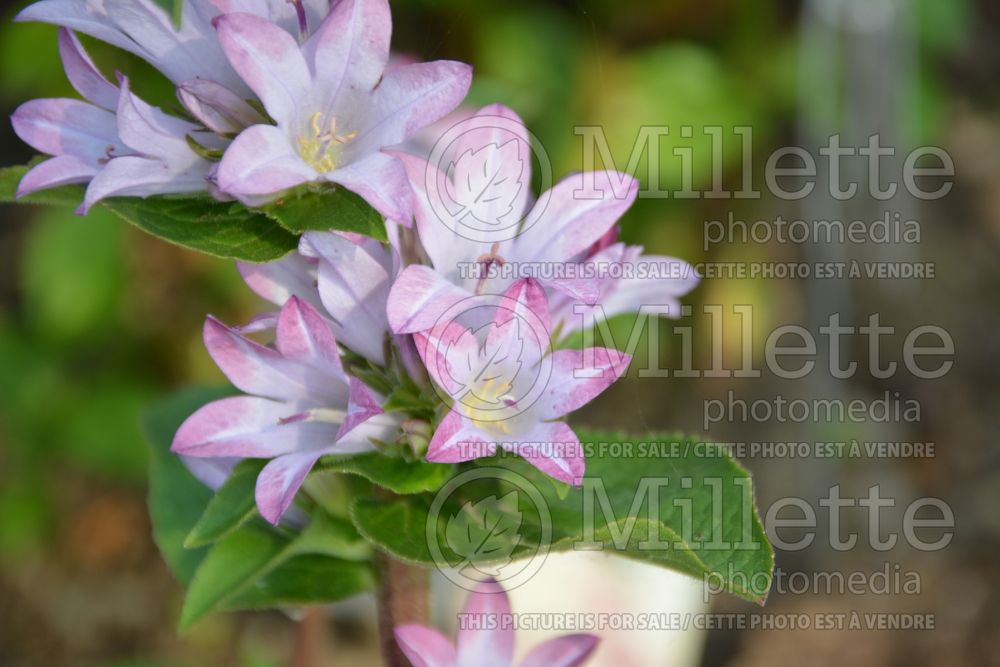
[[97, 319]]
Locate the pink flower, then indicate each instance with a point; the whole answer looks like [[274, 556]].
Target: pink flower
[[345, 277], [300, 405], [506, 390], [488, 608], [462, 213], [334, 104]]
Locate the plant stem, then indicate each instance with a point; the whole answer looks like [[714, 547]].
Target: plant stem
[[309, 635], [401, 598]]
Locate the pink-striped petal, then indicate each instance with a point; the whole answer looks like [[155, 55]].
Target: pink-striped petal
[[553, 448], [250, 427], [350, 49], [488, 606], [381, 181], [418, 299], [280, 480], [362, 405], [303, 335], [579, 376], [455, 439], [575, 214], [425, 647], [268, 59]]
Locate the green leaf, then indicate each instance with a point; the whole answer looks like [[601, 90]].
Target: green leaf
[[306, 579], [485, 532], [257, 566], [65, 195], [702, 523], [232, 505], [222, 229], [231, 566], [176, 498], [391, 472], [330, 208]]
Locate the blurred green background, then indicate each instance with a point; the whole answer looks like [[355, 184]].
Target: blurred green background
[[97, 320]]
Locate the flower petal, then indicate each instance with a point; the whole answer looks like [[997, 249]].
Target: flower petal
[[524, 313], [361, 406], [425, 647], [381, 181], [574, 214], [446, 354], [259, 370], [350, 49], [136, 176], [354, 280], [217, 107], [250, 427], [411, 97], [553, 448], [277, 281], [456, 440], [268, 59], [567, 651], [579, 376], [489, 607], [262, 161], [418, 299], [67, 127], [303, 335], [83, 74], [60, 170], [280, 480]]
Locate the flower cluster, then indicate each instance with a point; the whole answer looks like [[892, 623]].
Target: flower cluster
[[277, 94], [373, 346]]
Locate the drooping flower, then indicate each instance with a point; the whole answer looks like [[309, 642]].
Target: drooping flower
[[505, 387], [334, 104], [300, 405], [479, 227], [486, 638]]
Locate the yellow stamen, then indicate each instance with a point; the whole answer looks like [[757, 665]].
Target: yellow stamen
[[321, 149]]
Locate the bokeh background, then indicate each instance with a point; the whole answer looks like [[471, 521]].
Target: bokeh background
[[97, 320]]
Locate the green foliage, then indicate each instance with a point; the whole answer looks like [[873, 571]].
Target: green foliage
[[311, 209], [697, 532], [238, 561], [390, 472], [223, 229], [231, 506]]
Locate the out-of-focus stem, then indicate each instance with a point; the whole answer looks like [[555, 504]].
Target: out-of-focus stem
[[402, 597]]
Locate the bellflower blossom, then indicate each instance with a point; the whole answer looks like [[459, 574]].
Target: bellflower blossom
[[507, 390], [335, 106], [559, 233], [344, 276], [300, 405], [488, 641]]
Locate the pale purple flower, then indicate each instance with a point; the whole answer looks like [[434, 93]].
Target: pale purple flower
[[507, 390], [190, 51], [81, 136], [161, 159], [334, 104], [300, 405], [346, 277], [483, 188], [487, 638]]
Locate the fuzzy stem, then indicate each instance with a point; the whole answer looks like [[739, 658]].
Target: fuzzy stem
[[402, 598]]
